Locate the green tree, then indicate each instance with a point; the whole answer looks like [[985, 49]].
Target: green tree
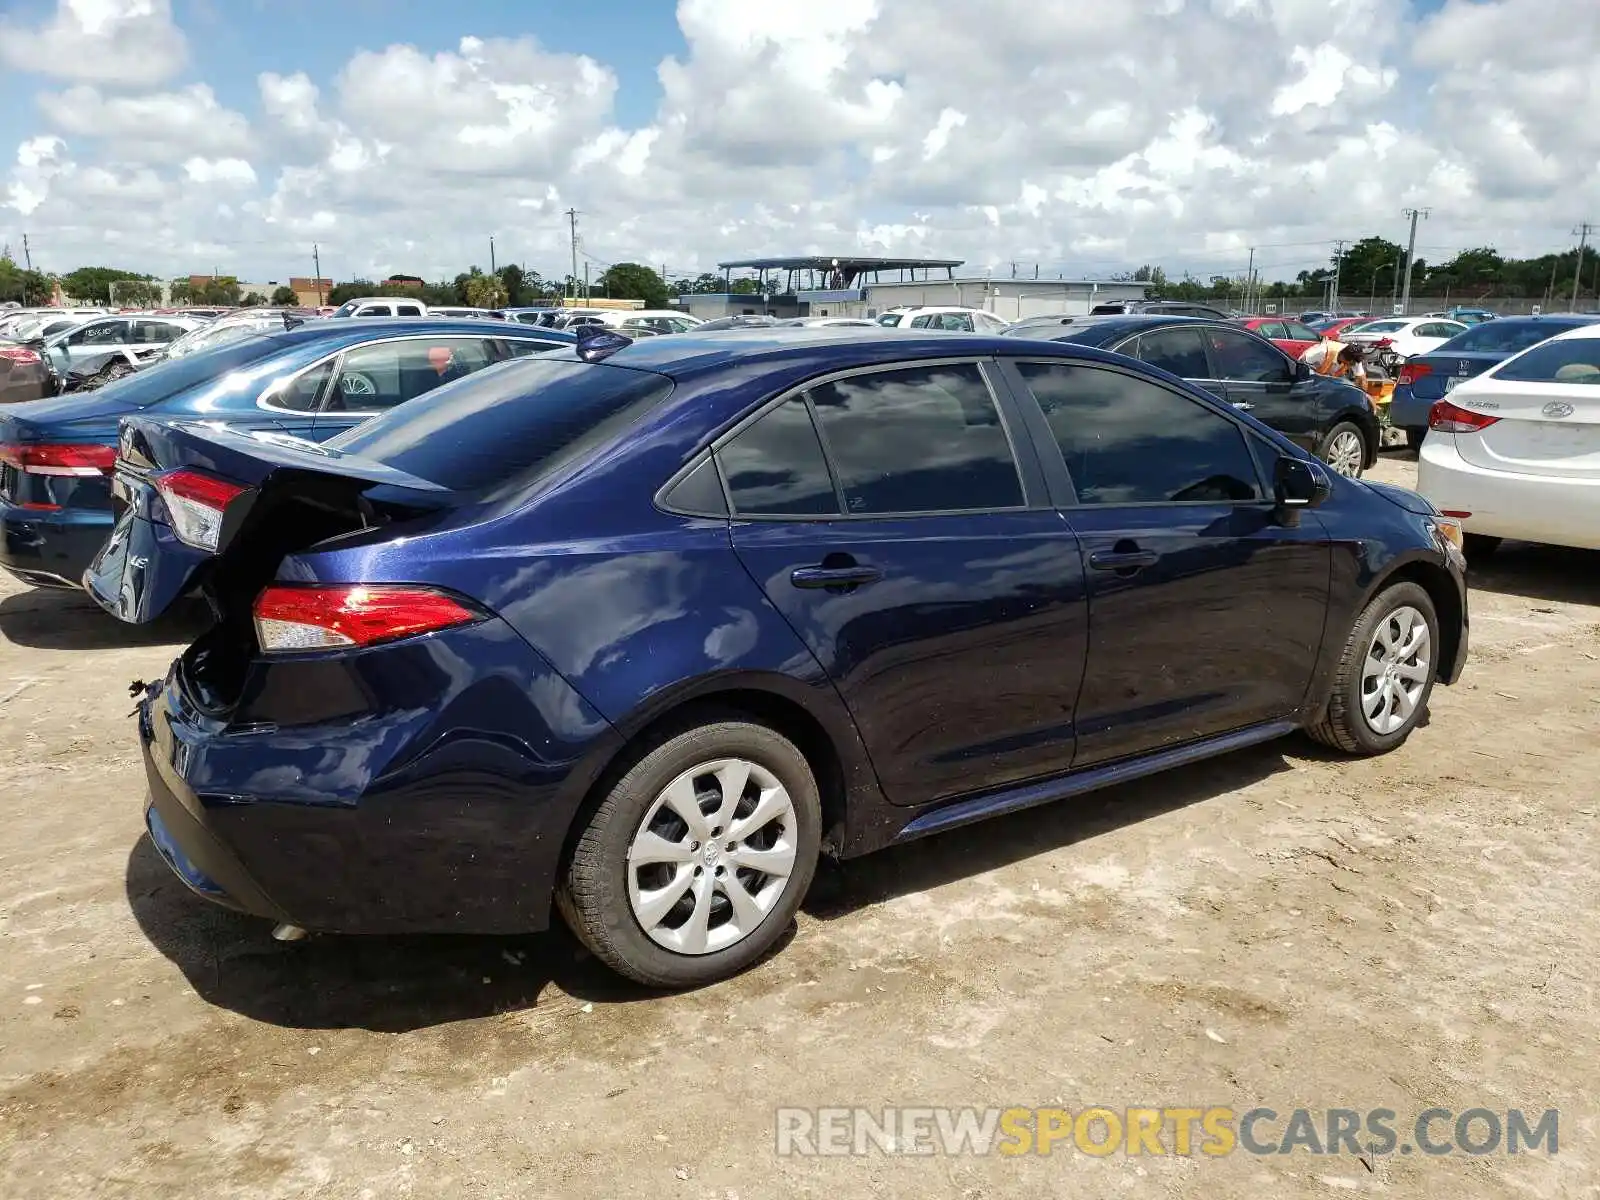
[[515, 282], [136, 293], [94, 283], [181, 291], [485, 291], [351, 290], [253, 300], [633, 281], [285, 297], [222, 291], [744, 287]]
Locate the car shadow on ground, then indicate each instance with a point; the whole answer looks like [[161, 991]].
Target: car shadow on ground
[[61, 619], [1555, 574], [383, 984], [843, 888], [396, 984]]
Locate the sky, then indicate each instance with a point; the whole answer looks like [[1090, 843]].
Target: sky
[[1079, 136]]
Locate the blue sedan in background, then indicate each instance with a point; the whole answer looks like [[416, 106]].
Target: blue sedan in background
[[1425, 378], [313, 381], [636, 631]]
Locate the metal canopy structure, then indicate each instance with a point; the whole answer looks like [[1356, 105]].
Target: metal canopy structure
[[826, 272]]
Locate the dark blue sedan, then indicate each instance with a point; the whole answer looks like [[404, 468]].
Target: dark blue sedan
[[313, 381], [636, 631], [1426, 378]]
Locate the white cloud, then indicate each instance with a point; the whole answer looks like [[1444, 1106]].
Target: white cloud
[[118, 43], [1086, 138], [156, 127]]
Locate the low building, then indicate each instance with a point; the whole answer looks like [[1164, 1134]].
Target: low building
[[829, 286]]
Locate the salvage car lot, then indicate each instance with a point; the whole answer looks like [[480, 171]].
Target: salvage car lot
[[1280, 927]]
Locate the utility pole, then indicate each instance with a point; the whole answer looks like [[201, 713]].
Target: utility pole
[[1411, 252], [316, 268], [492, 270], [1338, 259], [1583, 231], [586, 281], [1250, 277], [27, 254], [572, 219]]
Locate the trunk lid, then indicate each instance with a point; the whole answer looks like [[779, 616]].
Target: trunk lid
[[1449, 370], [288, 495], [1548, 429]]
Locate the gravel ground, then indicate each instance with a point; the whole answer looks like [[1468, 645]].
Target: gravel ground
[[1278, 928]]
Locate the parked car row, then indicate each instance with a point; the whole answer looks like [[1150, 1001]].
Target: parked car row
[[635, 630]]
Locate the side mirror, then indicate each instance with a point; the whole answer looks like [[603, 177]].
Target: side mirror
[[1297, 483], [1302, 371]]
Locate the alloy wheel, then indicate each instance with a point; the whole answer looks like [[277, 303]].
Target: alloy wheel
[[712, 857], [1396, 670], [1346, 453]]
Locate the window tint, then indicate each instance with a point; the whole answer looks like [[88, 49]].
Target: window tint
[[1571, 360], [522, 347], [1506, 337], [101, 333], [1128, 441], [1244, 358], [700, 491], [373, 312], [921, 322], [390, 373], [1180, 351], [300, 393], [509, 425], [1383, 326], [408, 310], [1439, 329], [775, 467], [1272, 329], [922, 439], [1299, 332], [146, 332]]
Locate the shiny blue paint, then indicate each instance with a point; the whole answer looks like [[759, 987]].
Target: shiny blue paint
[[432, 783]]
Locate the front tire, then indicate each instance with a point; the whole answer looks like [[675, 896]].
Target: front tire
[[1385, 675], [698, 857], [1344, 449]]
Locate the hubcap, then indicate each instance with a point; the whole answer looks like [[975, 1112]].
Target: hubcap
[[1396, 669], [712, 857], [1345, 453]]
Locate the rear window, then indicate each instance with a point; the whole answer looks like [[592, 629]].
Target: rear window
[[1504, 337], [499, 430], [1572, 360], [173, 375], [1383, 327]]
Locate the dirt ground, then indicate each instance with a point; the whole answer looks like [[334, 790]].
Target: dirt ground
[[1278, 928]]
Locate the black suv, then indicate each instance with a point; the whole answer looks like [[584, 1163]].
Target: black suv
[[1329, 417], [1166, 308]]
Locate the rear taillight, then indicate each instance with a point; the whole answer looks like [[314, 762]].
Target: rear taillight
[[196, 503], [1383, 343], [42, 459], [1411, 372], [20, 355], [1445, 417], [326, 618]]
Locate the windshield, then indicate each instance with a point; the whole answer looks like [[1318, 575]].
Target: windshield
[[345, 309], [211, 336], [1571, 360], [171, 376], [501, 429], [1380, 327], [1504, 337]]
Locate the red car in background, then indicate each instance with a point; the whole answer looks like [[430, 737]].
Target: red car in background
[[1332, 329], [1287, 334]]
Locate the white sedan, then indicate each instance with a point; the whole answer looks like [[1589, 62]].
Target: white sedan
[[1515, 452], [1406, 335]]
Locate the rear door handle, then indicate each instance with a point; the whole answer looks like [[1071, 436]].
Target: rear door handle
[[1123, 560], [834, 577]]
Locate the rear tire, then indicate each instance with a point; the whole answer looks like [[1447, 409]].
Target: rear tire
[[698, 857], [1344, 448], [1414, 436], [1385, 675], [1479, 546]]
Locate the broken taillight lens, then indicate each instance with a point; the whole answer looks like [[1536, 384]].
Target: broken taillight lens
[[296, 618], [196, 503]]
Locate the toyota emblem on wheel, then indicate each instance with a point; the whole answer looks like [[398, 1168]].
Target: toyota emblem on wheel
[[1557, 408]]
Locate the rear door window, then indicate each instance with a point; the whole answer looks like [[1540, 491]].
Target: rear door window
[[917, 440], [1180, 351], [1242, 358], [376, 377], [775, 467]]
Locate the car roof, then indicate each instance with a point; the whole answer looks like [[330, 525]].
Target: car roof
[[685, 356], [322, 328]]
